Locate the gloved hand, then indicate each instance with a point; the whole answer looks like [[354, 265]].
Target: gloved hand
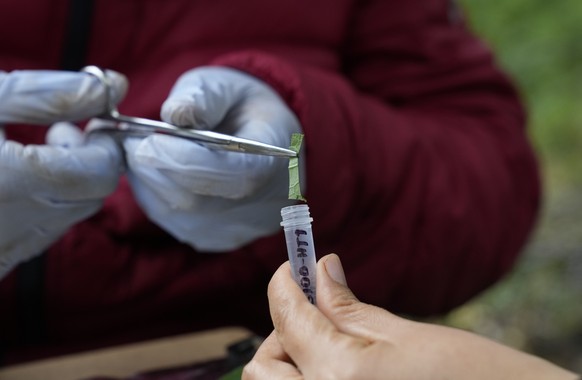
[[45, 189], [215, 200], [47, 96]]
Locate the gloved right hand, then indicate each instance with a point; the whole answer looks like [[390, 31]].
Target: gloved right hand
[[215, 201], [45, 189]]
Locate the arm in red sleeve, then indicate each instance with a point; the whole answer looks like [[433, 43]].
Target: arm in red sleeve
[[420, 174]]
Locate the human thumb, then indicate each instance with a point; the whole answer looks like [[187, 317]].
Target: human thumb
[[201, 97], [332, 290], [333, 269], [337, 302]]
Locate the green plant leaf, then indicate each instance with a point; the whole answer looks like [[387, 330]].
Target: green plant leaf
[[294, 183]]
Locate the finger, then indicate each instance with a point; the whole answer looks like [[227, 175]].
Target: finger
[[67, 135], [118, 85], [271, 362], [58, 174], [150, 183], [200, 98], [64, 134], [204, 171], [337, 302], [45, 97], [315, 345], [198, 226], [95, 136]]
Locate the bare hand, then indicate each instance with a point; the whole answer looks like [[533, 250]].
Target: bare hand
[[343, 338]]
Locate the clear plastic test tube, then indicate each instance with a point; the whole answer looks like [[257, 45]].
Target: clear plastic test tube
[[300, 248]]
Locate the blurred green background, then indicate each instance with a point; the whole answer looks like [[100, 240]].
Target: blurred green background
[[538, 307]]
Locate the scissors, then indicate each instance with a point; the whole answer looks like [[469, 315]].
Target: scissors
[[142, 127]]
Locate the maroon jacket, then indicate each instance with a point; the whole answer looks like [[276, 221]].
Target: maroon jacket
[[419, 171]]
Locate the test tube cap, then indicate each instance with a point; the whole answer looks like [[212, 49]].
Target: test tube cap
[[295, 215]]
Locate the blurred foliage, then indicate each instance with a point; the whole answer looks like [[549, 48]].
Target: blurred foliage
[[538, 307], [539, 43]]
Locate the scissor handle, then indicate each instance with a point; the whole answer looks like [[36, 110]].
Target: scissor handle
[[209, 139]]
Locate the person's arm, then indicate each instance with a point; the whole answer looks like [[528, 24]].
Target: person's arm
[[343, 338], [416, 154]]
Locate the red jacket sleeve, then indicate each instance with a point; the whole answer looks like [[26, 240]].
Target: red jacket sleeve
[[420, 174]]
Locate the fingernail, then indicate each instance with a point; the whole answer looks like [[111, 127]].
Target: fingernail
[[334, 269]]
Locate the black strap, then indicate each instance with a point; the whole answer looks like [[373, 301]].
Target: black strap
[[77, 33], [30, 300]]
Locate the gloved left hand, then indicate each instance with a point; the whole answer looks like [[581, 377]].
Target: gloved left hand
[[47, 96], [215, 200], [45, 189]]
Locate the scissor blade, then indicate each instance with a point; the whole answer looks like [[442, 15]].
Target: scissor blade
[[209, 139]]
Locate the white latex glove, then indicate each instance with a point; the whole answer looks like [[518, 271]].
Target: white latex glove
[[213, 200], [47, 96], [45, 189]]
